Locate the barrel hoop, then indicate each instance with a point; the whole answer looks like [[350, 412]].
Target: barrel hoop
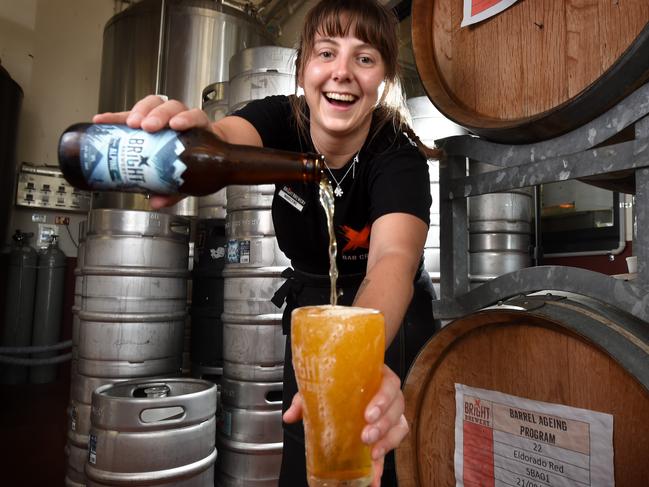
[[119, 478], [644, 346], [617, 293]]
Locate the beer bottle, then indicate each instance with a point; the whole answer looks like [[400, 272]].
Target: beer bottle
[[194, 162]]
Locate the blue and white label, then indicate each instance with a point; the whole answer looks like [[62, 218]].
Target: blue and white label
[[238, 251], [126, 159]]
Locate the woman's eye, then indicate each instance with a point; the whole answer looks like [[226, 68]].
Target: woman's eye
[[326, 54], [365, 60]]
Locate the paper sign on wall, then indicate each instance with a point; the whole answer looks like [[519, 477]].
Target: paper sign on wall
[[478, 10], [503, 440]]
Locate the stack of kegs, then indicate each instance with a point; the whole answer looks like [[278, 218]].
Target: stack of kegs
[[250, 433], [237, 336], [429, 125], [129, 316], [154, 433]]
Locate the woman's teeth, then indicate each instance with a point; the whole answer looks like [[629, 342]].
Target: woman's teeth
[[340, 97]]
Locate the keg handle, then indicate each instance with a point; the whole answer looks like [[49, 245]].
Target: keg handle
[[274, 396], [180, 227], [158, 415]]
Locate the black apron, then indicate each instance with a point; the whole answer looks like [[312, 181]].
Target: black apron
[[304, 289]]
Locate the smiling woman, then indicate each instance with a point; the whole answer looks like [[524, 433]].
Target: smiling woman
[[353, 113]]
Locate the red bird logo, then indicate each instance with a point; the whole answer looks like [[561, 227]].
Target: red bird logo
[[356, 239]]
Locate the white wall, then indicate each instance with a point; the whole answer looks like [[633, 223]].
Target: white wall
[[52, 49]]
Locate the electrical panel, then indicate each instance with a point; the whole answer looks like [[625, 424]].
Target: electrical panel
[[45, 187]]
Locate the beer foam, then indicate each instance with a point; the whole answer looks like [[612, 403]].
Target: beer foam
[[328, 310]]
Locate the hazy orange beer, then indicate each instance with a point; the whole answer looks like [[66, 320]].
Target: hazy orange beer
[[338, 354]]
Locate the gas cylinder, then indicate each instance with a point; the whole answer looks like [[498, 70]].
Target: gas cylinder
[[19, 307], [48, 305]]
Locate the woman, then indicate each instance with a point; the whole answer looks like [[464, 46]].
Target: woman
[[347, 67]]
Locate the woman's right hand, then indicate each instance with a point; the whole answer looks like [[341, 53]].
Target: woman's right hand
[[154, 113]]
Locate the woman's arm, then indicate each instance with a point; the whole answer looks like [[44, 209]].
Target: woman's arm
[[396, 245]]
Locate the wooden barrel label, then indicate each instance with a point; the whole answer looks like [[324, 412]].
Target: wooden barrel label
[[506, 440]]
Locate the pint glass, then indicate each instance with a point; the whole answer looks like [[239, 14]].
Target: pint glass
[[338, 354]]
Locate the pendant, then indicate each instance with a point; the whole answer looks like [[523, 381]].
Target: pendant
[[338, 191]]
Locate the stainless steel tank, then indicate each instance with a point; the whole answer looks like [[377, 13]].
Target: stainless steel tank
[[11, 96], [175, 47], [172, 47]]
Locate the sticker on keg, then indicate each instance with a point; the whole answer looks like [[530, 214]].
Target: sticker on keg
[[233, 251], [217, 253], [92, 449], [503, 440], [238, 251], [227, 423], [244, 252], [74, 415]]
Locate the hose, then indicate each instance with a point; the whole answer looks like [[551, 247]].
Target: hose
[[35, 361], [35, 349]]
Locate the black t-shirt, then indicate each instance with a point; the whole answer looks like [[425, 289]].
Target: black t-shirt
[[390, 176]]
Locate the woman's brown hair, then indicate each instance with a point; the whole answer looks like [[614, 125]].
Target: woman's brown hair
[[375, 25]]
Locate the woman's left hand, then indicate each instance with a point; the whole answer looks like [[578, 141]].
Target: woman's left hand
[[386, 425]]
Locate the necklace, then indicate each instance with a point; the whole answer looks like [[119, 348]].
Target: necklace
[[338, 191]]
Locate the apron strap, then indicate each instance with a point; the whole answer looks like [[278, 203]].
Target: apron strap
[[290, 285]]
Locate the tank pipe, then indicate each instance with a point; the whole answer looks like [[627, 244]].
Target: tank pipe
[[158, 68], [35, 361], [36, 349]]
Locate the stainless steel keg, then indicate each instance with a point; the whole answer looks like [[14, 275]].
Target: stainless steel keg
[[251, 240], [259, 72], [248, 464], [134, 297], [253, 347], [500, 226], [154, 433], [252, 411]]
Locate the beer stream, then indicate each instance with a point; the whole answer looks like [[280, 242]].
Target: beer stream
[[327, 203]]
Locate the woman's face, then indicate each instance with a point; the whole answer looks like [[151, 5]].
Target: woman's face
[[342, 83]]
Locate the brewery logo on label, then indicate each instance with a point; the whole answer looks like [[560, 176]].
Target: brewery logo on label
[[477, 411], [118, 157]]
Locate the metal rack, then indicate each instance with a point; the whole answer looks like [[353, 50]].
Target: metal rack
[[570, 156]]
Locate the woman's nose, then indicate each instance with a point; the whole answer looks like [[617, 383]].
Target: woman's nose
[[342, 70]]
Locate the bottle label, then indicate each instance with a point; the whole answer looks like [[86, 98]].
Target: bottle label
[[126, 159]]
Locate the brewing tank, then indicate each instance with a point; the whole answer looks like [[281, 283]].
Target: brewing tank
[[11, 95], [175, 47]]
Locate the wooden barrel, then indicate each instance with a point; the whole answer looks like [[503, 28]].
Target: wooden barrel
[[534, 71], [561, 350]]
